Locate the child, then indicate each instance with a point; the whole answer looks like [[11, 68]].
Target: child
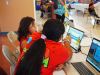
[[26, 28], [43, 2], [43, 52]]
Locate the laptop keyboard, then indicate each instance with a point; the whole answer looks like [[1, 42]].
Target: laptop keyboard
[[82, 69]]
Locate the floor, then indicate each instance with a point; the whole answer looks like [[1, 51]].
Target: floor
[[82, 23], [79, 21]]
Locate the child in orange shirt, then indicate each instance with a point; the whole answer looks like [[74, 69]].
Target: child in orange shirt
[[43, 52]]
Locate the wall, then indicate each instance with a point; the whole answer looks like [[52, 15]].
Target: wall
[[11, 14], [39, 2], [83, 1], [86, 1]]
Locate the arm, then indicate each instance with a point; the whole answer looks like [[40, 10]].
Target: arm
[[41, 7], [67, 45], [23, 44], [92, 7], [61, 1]]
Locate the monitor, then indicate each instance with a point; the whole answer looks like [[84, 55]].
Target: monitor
[[68, 22], [76, 37], [94, 54]]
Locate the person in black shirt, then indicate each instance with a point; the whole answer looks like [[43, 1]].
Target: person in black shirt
[[91, 9]]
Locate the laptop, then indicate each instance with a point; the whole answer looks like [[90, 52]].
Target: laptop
[[68, 22], [76, 37], [89, 67]]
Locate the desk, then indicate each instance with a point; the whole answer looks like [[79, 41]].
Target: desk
[[80, 7], [61, 72], [78, 57]]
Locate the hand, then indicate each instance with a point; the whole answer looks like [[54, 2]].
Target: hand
[[59, 67], [68, 38]]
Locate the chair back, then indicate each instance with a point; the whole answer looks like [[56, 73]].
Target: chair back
[[12, 36], [8, 55]]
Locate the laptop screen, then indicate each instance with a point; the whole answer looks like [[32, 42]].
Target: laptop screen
[[68, 22], [94, 54], [76, 36]]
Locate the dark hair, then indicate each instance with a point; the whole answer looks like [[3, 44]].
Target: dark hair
[[33, 58], [42, 3], [23, 29]]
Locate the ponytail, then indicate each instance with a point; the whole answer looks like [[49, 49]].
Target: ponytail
[[33, 58]]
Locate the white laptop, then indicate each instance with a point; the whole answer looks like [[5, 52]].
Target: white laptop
[[68, 22], [76, 37], [89, 67]]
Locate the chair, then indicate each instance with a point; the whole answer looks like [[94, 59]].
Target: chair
[[89, 16], [12, 36], [47, 9], [94, 19], [97, 12], [96, 23], [8, 55], [12, 69]]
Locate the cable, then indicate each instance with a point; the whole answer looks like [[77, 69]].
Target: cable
[[76, 52], [88, 37], [79, 50], [83, 53]]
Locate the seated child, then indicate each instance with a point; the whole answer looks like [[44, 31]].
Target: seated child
[[26, 28], [43, 52]]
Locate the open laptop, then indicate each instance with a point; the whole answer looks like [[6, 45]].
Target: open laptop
[[68, 22], [89, 67], [76, 37]]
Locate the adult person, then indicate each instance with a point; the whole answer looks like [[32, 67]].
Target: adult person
[[60, 10]]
